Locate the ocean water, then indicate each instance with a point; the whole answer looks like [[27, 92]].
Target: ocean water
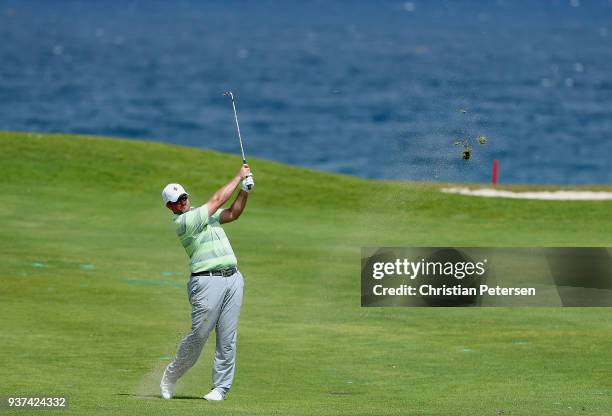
[[378, 89]]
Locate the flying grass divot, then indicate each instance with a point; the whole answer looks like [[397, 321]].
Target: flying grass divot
[[466, 153]]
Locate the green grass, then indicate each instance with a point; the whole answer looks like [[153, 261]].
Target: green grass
[[93, 298]]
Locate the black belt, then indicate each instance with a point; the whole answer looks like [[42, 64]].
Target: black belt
[[222, 272]]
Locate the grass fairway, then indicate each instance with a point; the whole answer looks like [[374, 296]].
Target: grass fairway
[[93, 291]]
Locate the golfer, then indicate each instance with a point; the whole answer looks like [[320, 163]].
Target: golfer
[[215, 285]]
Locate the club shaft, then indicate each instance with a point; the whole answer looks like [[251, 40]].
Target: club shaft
[[238, 129]]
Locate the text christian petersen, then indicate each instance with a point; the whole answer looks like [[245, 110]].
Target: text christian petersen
[[422, 269]]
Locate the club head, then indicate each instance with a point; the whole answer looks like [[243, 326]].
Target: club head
[[228, 94]]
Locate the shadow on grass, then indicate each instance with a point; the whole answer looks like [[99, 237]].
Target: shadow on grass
[[157, 396]]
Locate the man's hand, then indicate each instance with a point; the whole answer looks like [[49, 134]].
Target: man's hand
[[248, 183], [244, 171]]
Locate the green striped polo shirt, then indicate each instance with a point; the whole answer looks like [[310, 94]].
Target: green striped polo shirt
[[204, 240]]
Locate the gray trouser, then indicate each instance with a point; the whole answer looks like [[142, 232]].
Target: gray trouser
[[215, 303]]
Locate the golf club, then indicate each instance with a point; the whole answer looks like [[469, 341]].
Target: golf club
[[231, 95]]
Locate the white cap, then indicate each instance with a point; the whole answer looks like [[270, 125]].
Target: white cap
[[172, 192]]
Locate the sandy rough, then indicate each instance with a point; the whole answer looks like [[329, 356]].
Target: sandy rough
[[544, 195]]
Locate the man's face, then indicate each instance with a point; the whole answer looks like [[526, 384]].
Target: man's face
[[181, 205]]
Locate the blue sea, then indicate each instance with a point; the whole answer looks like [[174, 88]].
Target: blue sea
[[377, 89]]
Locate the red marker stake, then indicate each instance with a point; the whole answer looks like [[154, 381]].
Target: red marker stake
[[495, 170]]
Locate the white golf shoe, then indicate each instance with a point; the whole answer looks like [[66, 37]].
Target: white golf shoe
[[167, 389], [214, 396]]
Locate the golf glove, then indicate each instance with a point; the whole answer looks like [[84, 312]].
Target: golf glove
[[248, 183]]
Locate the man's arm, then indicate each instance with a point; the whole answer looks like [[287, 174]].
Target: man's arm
[[224, 193], [233, 212]]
